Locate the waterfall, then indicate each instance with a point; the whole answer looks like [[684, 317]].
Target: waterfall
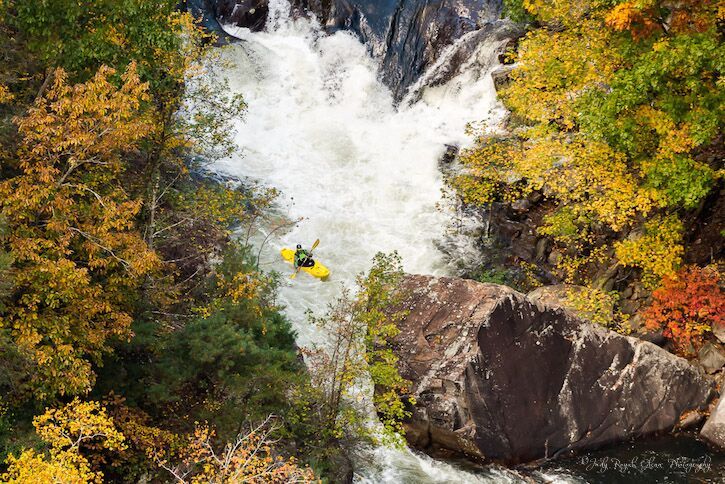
[[362, 174]]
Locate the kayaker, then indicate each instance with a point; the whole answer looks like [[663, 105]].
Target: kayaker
[[303, 258]]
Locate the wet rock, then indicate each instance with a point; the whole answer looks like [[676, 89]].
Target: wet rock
[[629, 306], [714, 429], [711, 358], [243, 13], [204, 10], [535, 197], [691, 420], [556, 295], [522, 205], [450, 154], [502, 75], [542, 246], [554, 257], [408, 36], [529, 381]]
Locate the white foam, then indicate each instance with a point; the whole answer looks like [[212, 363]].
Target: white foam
[[323, 130]]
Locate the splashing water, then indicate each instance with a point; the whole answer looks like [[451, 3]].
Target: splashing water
[[323, 130]]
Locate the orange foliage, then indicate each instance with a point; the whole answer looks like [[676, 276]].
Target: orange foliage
[[687, 306], [628, 16], [646, 17]]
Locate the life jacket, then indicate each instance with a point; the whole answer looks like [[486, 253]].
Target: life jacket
[[301, 255]]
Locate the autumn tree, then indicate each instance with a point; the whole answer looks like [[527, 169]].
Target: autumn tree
[[361, 327], [687, 307], [250, 457], [77, 254], [65, 431], [235, 360], [189, 114], [612, 104], [118, 271]]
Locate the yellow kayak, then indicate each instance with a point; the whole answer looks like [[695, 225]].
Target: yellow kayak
[[317, 270]]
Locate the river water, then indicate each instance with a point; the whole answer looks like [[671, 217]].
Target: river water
[[362, 175]]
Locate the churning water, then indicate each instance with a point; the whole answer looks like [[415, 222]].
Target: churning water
[[322, 129], [363, 174]]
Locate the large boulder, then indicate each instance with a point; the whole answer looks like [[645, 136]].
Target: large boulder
[[714, 429], [499, 377]]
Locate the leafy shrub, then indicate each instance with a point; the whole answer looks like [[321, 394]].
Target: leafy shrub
[[687, 306]]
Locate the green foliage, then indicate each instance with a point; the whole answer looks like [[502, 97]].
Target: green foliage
[[515, 10], [493, 276], [235, 360], [378, 304], [682, 181], [614, 104], [82, 36], [361, 328], [105, 223]]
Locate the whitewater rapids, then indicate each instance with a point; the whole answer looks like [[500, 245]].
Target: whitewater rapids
[[364, 176]]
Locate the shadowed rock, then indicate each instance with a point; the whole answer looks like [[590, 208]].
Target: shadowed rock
[[243, 13], [407, 36], [499, 377]]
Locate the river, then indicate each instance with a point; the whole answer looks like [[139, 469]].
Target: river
[[363, 176]]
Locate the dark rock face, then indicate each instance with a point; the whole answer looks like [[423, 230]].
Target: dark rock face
[[243, 13], [406, 35], [204, 10], [419, 30], [498, 377]]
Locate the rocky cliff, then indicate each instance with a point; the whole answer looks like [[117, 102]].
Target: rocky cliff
[[499, 377], [407, 36]]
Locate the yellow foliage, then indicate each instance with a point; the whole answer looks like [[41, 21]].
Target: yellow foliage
[[69, 427], [34, 468], [658, 251], [588, 175], [607, 127], [5, 95], [250, 458], [66, 430], [243, 286], [561, 11], [77, 253], [487, 168], [555, 68], [598, 306]]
